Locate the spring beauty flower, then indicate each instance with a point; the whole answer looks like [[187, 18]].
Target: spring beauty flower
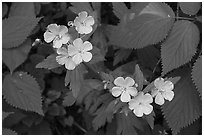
[[58, 34], [65, 59], [163, 90], [79, 51], [141, 104], [124, 87], [84, 23]]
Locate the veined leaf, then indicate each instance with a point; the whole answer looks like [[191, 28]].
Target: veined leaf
[[119, 9], [49, 63], [22, 91], [196, 74], [69, 100], [121, 55], [16, 29], [6, 114], [142, 27], [185, 107], [180, 46], [22, 9], [138, 77], [6, 131], [150, 119], [190, 8], [14, 57], [78, 7]]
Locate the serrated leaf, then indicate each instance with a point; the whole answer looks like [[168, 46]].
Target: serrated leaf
[[22, 91], [22, 9], [180, 46], [69, 99], [185, 107], [6, 114], [49, 63], [142, 27], [14, 57], [196, 74], [138, 77], [190, 8], [16, 29], [6, 131], [121, 55]]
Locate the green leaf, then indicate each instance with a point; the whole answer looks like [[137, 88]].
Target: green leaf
[[121, 55], [16, 29], [22, 9], [144, 24], [6, 114], [127, 125], [49, 63], [69, 100], [22, 91], [6, 131], [4, 9], [78, 7], [97, 56], [14, 57], [150, 119], [190, 8], [185, 107], [138, 77], [180, 46], [196, 74], [119, 9]]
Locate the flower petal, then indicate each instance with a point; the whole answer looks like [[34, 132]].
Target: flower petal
[[86, 29], [125, 97], [87, 46], [65, 39], [129, 81], [82, 16], [48, 36], [72, 50], [168, 95], [159, 99], [119, 81], [62, 51], [70, 65], [77, 58], [57, 43], [61, 59], [133, 103], [147, 109], [89, 21], [154, 92], [63, 30], [147, 98], [78, 43], [132, 91], [158, 83], [138, 111], [116, 91], [54, 28], [168, 85], [86, 56]]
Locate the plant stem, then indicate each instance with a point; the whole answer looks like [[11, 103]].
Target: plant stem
[[185, 18], [177, 11], [156, 65], [80, 127]]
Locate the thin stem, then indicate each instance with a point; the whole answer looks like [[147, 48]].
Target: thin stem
[[156, 65], [83, 36], [185, 18], [80, 127], [177, 11]]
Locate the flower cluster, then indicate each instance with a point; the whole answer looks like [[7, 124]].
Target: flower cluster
[[70, 53], [140, 102]]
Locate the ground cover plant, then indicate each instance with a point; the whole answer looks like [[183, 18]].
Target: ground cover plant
[[101, 68]]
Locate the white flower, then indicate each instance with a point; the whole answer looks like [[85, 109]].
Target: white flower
[[141, 104], [84, 23], [58, 34], [79, 51], [163, 90], [64, 58], [124, 87]]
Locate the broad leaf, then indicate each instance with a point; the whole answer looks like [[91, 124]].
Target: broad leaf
[[190, 8], [196, 74], [121, 55], [97, 56], [138, 77], [119, 9], [185, 107], [16, 29], [150, 119], [69, 100], [180, 46], [22, 91], [144, 24], [22, 9], [78, 7], [49, 63], [6, 131], [6, 114], [14, 57]]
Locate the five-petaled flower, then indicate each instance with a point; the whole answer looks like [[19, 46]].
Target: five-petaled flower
[[163, 90], [84, 23], [79, 51], [124, 87], [58, 34], [141, 104], [65, 59]]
